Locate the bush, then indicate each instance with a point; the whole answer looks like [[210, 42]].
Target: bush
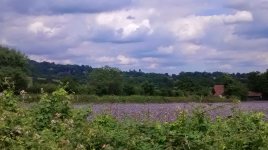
[[54, 124]]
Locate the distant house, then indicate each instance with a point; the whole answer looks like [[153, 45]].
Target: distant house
[[218, 90], [254, 95]]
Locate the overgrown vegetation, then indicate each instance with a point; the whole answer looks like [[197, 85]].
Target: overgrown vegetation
[[54, 124], [13, 67]]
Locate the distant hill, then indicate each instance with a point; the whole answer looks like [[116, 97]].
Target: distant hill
[[57, 71], [165, 84]]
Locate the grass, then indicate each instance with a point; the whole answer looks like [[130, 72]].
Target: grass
[[133, 99]]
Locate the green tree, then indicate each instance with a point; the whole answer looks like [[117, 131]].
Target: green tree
[[255, 81], [72, 85], [128, 89], [194, 85], [13, 67], [233, 87], [264, 84], [148, 88], [106, 81]]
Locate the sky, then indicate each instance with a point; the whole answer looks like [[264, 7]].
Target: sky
[[164, 36]]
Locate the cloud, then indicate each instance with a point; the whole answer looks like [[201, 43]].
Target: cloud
[[194, 27], [190, 48], [166, 50], [259, 9], [117, 27], [42, 59], [37, 7], [123, 60], [40, 28], [253, 31], [225, 67], [246, 5], [105, 59], [152, 35]]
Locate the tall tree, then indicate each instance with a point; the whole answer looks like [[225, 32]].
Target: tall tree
[[233, 87], [148, 88], [255, 81], [264, 84], [106, 80], [13, 67]]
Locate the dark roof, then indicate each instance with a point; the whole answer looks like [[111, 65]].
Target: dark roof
[[218, 90], [251, 93]]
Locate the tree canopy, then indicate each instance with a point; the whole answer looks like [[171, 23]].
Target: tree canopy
[[84, 79], [13, 68], [106, 81]]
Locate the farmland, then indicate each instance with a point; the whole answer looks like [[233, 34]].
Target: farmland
[[169, 111]]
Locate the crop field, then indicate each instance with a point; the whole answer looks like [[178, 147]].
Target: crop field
[[169, 111]]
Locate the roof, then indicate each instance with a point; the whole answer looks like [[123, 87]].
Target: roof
[[218, 90], [251, 93]]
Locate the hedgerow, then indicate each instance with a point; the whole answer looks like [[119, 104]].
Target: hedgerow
[[53, 124]]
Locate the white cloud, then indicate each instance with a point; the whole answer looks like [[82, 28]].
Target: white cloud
[[124, 60], [45, 58], [153, 66], [39, 27], [225, 67], [126, 22], [166, 50], [150, 62], [105, 59], [3, 41], [194, 27], [263, 57], [149, 59], [240, 16], [189, 48]]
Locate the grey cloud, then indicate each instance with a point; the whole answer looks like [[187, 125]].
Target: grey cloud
[[148, 48], [256, 29], [253, 31], [246, 5], [80, 39], [243, 37], [104, 34], [259, 9], [173, 62], [249, 64], [36, 7], [130, 17]]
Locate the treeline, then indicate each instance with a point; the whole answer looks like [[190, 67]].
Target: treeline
[[112, 81]]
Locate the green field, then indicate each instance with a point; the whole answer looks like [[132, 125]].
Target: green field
[[132, 99]]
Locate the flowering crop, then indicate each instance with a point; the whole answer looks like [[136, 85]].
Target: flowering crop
[[166, 112]]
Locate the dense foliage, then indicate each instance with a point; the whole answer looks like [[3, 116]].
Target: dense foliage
[[13, 67], [258, 82], [111, 81], [54, 124], [85, 80], [106, 81]]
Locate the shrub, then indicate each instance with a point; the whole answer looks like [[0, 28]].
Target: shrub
[[54, 124]]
